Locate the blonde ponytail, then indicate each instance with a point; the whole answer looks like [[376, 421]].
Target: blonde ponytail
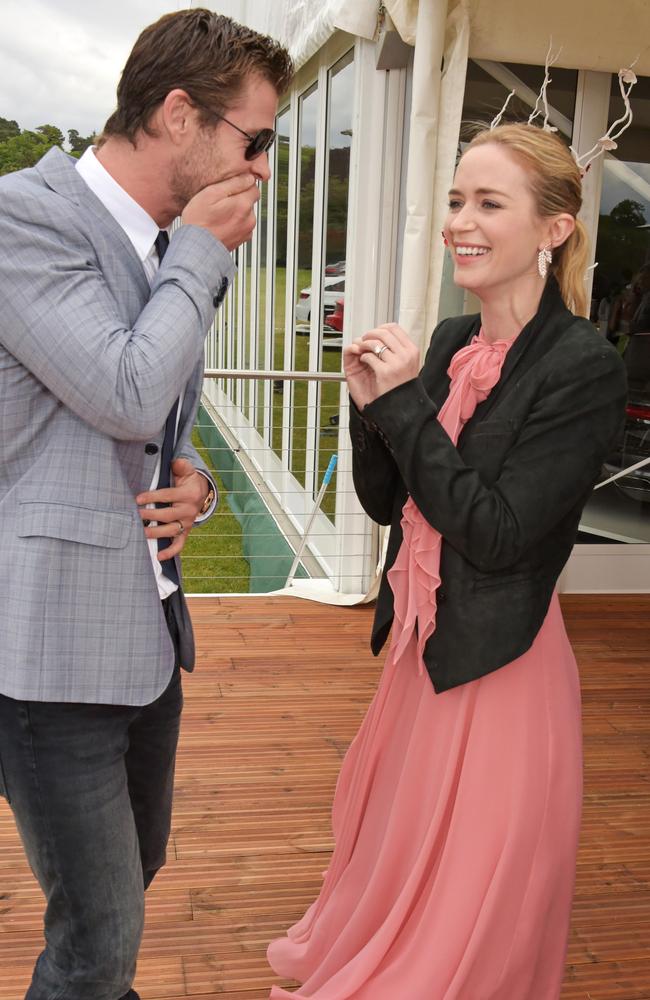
[[570, 270]]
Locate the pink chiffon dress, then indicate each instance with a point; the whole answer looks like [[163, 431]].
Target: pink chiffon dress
[[456, 815]]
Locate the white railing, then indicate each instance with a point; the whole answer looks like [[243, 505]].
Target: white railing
[[271, 447]]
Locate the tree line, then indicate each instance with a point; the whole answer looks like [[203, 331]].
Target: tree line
[[23, 148]]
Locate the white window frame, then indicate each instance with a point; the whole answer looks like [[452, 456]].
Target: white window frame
[[375, 177]]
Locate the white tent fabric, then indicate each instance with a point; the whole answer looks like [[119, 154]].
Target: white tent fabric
[[452, 92], [501, 30], [404, 15], [305, 25], [422, 152], [312, 23], [594, 35], [435, 114]]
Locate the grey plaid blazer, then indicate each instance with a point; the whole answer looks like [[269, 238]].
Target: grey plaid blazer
[[91, 361]]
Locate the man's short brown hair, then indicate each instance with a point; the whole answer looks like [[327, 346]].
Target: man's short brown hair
[[203, 53]]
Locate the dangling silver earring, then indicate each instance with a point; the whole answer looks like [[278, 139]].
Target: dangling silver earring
[[544, 258]]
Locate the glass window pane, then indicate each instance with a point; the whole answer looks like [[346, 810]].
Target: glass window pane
[[304, 245], [339, 142], [246, 355], [260, 352], [279, 292], [230, 330]]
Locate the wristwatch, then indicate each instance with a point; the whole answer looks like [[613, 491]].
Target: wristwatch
[[207, 503]]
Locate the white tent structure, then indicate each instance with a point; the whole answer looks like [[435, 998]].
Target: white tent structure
[[408, 72]]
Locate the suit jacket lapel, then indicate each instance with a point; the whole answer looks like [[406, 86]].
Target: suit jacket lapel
[[58, 171]]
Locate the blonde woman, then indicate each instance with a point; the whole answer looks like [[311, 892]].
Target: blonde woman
[[457, 810]]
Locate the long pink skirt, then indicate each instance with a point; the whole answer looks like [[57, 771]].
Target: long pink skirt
[[456, 820]]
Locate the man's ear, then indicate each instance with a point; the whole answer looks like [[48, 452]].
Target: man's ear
[[559, 229], [177, 115]]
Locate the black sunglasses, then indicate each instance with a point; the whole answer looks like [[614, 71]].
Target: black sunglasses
[[259, 143]]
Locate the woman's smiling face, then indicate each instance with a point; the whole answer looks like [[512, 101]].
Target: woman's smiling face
[[492, 227]]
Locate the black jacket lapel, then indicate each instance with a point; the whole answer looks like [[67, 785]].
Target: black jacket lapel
[[535, 340], [444, 345]]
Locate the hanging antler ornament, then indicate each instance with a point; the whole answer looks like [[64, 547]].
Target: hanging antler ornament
[[626, 78], [541, 97]]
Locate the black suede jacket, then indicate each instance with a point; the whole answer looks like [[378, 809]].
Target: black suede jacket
[[508, 499]]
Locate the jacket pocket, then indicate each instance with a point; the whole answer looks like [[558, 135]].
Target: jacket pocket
[[108, 529], [503, 579], [493, 428]]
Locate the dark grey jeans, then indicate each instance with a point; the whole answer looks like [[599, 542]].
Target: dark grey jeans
[[90, 787]]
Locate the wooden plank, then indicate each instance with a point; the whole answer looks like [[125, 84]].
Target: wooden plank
[[280, 688]]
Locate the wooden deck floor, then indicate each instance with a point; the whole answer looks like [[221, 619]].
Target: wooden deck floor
[[280, 689]]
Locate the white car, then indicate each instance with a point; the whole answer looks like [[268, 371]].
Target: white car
[[332, 288]]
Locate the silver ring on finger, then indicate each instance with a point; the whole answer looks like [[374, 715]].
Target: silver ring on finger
[[181, 528], [379, 349]]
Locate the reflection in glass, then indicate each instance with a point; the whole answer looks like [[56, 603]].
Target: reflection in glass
[[230, 329], [281, 210], [341, 85], [243, 339], [258, 353], [620, 309], [219, 341], [308, 110]]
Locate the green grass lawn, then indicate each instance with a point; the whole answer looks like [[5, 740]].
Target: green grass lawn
[[212, 557]]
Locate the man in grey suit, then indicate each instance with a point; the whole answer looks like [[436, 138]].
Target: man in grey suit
[[101, 358]]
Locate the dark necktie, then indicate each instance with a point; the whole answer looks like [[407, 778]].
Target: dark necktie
[[161, 243], [168, 566]]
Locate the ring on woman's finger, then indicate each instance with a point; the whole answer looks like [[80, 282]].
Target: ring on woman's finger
[[181, 528], [379, 349]]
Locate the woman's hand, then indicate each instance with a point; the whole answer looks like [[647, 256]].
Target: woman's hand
[[379, 361]]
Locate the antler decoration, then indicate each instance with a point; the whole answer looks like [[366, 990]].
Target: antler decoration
[[626, 78], [541, 97], [497, 121]]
